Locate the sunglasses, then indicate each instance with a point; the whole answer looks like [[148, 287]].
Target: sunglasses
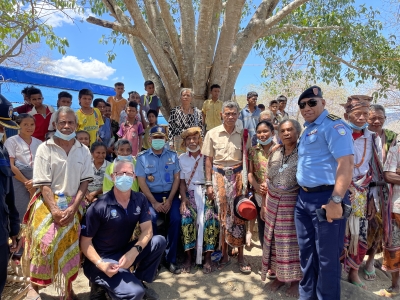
[[310, 103]]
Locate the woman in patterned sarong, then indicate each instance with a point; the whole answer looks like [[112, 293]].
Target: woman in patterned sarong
[[280, 248], [200, 226]]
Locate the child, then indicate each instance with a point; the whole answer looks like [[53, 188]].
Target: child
[[40, 112], [273, 107], [99, 164], [83, 137], [27, 106], [89, 119], [105, 131], [150, 101], [117, 102], [64, 99], [152, 117], [132, 129]]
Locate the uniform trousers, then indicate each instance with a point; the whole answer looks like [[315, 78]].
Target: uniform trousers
[[172, 225], [4, 252], [126, 285], [321, 244]]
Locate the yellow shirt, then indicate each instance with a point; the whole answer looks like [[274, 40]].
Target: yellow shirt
[[116, 107], [224, 148], [90, 123], [212, 111]]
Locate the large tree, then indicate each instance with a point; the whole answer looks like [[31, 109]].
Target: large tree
[[185, 43]]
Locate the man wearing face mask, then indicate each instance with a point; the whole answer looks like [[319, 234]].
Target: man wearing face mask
[[109, 256], [61, 173], [158, 170], [123, 151], [10, 223]]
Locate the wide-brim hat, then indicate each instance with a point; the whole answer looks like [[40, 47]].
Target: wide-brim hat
[[6, 113], [245, 208]]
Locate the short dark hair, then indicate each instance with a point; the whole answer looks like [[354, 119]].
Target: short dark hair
[[96, 145], [133, 92], [65, 95], [20, 117], [272, 102], [108, 104], [132, 104], [215, 86], [268, 124], [118, 84], [152, 111], [85, 92], [34, 91], [83, 131], [251, 94], [281, 98], [261, 106], [148, 82], [26, 89], [97, 101]]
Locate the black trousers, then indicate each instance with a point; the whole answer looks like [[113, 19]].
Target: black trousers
[[4, 255]]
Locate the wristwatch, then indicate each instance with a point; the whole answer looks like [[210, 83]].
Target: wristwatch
[[138, 248], [336, 199]]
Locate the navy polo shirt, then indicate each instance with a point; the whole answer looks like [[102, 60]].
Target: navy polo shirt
[[110, 225]]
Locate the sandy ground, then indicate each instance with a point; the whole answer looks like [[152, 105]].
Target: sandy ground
[[227, 284]]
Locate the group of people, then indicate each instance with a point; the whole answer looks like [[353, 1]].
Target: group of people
[[320, 196]]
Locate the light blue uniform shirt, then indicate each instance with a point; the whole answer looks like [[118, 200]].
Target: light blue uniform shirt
[[250, 119], [320, 145], [162, 167]]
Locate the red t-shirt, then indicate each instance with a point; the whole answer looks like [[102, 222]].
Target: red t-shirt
[[41, 122]]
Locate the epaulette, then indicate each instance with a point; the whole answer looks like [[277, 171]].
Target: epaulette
[[141, 153], [333, 117]]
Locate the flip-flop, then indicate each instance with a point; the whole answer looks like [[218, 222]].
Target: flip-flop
[[367, 273], [388, 293], [360, 285], [242, 267], [186, 268], [271, 275], [209, 269], [222, 265]]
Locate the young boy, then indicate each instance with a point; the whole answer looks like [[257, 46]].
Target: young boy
[[152, 117], [212, 109], [117, 102], [89, 118], [132, 129], [83, 137], [105, 131], [114, 129], [150, 101], [273, 107], [27, 106], [42, 113], [134, 97], [64, 99]]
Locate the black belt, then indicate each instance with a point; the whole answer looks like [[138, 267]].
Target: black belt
[[377, 183], [321, 188], [228, 172], [161, 193]]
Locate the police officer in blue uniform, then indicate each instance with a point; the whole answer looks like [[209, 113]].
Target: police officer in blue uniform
[[157, 170], [9, 217], [324, 173]]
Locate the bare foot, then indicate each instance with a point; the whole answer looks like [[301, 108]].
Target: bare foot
[[274, 285], [32, 294], [293, 290]]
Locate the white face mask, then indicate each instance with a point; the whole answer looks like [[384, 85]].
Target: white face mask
[[65, 137], [194, 150]]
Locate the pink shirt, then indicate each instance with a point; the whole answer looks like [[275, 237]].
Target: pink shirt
[[132, 133]]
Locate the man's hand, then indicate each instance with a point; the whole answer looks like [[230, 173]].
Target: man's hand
[[126, 261], [371, 210], [333, 211], [210, 192], [167, 205], [16, 244], [110, 269], [57, 216], [90, 197], [183, 206], [158, 207], [67, 216], [29, 184]]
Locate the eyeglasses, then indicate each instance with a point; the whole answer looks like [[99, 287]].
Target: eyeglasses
[[310, 103], [129, 174]]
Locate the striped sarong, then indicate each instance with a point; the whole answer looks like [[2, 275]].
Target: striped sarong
[[53, 251], [281, 249]]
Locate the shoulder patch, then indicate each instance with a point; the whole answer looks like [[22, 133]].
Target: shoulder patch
[[333, 117], [141, 153]]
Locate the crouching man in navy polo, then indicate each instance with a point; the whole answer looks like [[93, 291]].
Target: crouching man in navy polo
[[107, 230], [158, 172], [324, 172]]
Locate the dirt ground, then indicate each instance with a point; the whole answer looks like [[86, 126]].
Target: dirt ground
[[227, 284]]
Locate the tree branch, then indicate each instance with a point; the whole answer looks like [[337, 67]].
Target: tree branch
[[113, 25], [188, 33], [296, 29], [17, 43]]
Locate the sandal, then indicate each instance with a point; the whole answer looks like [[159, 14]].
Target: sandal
[[209, 269], [243, 267], [388, 293], [360, 285], [271, 274], [368, 275], [186, 268], [222, 265]]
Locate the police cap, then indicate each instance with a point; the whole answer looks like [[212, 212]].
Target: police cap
[[157, 130], [311, 92], [6, 112]]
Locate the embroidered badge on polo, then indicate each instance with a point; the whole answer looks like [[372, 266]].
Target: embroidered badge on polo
[[340, 129], [113, 214], [138, 210]]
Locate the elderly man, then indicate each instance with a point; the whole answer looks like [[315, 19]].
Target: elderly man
[[158, 170], [324, 172], [62, 169], [367, 168], [250, 114], [109, 256], [8, 211], [224, 163]]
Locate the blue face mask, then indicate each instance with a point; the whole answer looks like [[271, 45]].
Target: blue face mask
[[357, 127], [269, 140], [65, 137], [157, 144], [123, 183], [125, 158]]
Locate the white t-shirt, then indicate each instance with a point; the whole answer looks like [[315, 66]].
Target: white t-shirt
[[391, 164], [21, 151], [187, 162]]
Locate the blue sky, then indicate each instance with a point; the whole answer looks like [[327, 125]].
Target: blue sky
[[86, 58]]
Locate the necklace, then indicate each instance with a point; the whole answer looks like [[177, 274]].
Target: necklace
[[363, 157], [284, 161]]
